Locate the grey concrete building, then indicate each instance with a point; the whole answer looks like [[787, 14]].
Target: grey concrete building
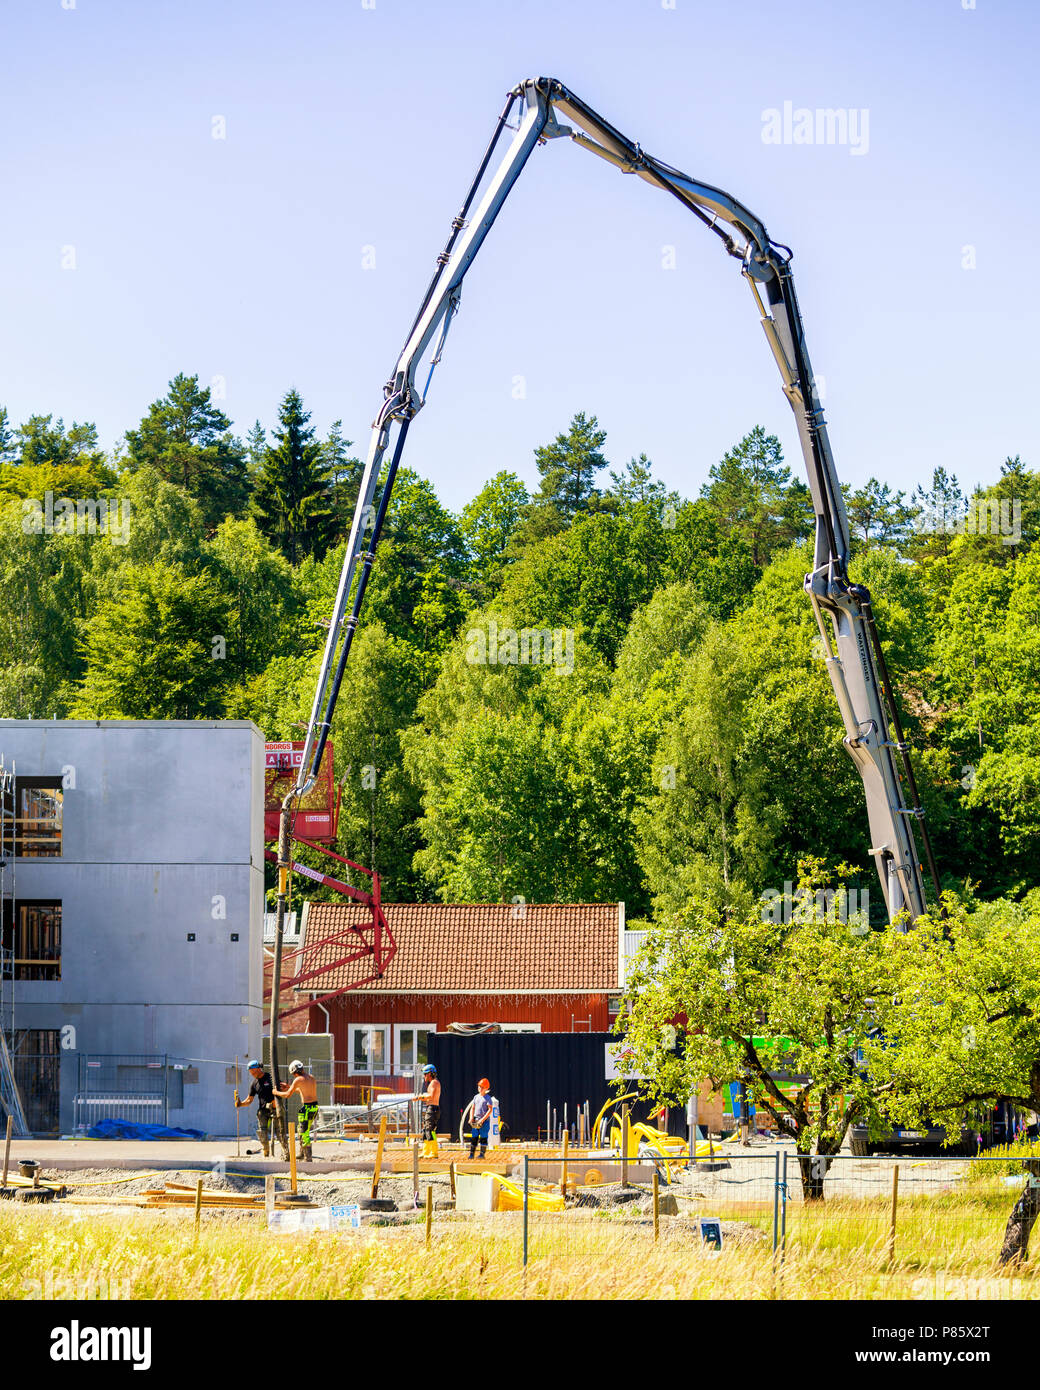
[[133, 916]]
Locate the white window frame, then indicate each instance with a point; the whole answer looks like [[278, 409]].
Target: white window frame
[[520, 1027], [400, 1028], [352, 1030]]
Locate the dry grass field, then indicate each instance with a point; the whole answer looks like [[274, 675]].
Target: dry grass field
[[946, 1246]]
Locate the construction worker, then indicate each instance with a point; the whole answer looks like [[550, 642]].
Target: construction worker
[[480, 1118], [306, 1087], [431, 1102], [263, 1089]]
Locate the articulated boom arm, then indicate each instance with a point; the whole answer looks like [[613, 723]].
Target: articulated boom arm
[[852, 649]]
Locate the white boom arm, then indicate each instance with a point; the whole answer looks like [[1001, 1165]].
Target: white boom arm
[[853, 653]]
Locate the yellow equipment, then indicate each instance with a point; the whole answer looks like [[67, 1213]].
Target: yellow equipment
[[642, 1137], [511, 1197]]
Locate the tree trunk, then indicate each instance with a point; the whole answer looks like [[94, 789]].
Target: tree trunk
[[1020, 1222], [813, 1169]]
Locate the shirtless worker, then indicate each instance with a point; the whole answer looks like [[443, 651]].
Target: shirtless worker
[[306, 1087], [431, 1103]]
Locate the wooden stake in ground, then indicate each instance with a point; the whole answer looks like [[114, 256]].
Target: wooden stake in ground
[[7, 1151], [895, 1199], [415, 1170], [451, 1178], [198, 1207], [563, 1166], [581, 1129], [657, 1205], [269, 1193], [379, 1156], [429, 1214], [292, 1154]]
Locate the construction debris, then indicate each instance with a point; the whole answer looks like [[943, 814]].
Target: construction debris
[[16, 1185]]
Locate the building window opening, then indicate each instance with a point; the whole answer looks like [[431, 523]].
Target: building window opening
[[37, 817], [32, 933], [36, 1057]]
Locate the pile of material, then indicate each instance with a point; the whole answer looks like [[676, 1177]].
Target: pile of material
[[24, 1189], [178, 1194]]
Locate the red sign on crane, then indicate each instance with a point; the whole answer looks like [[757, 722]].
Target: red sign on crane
[[316, 815]]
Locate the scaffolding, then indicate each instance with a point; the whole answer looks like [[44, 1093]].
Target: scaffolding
[[10, 1097]]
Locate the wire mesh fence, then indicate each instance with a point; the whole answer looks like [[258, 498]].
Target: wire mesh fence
[[195, 1094], [931, 1212], [924, 1209]]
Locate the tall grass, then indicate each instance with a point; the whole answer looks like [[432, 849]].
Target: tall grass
[[835, 1250]]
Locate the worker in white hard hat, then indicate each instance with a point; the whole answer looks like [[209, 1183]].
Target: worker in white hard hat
[[306, 1087]]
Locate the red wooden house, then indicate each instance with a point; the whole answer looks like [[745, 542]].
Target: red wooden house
[[538, 968]]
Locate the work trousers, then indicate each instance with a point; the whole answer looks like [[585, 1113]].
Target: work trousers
[[264, 1117], [304, 1120], [431, 1118]]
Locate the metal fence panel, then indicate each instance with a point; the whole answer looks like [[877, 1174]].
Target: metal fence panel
[[875, 1223]]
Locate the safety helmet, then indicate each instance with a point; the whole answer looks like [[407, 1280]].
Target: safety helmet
[[254, 1065], [483, 1082], [429, 1069], [295, 1066]]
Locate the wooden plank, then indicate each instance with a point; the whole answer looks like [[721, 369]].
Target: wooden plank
[[220, 1192], [402, 1164], [379, 1156]]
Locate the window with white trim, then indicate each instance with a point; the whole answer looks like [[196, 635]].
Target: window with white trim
[[369, 1049], [410, 1046], [520, 1027]]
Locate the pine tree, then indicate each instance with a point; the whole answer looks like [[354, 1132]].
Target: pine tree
[[7, 441], [747, 491], [637, 484], [256, 447], [344, 475], [293, 498], [40, 442], [188, 442], [569, 466], [876, 513]]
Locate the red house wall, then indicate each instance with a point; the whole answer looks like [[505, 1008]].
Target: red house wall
[[557, 1013]]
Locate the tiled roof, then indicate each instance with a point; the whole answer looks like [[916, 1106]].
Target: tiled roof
[[446, 947]]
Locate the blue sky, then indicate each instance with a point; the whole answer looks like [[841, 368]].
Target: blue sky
[[351, 124]]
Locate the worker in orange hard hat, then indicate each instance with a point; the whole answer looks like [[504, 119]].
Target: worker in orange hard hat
[[480, 1118]]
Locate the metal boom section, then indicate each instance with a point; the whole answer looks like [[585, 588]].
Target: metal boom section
[[852, 649]]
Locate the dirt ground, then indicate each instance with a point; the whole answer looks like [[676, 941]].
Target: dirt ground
[[634, 1204]]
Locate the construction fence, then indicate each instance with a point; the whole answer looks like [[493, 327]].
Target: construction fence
[[193, 1093], [186, 1093], [942, 1213]]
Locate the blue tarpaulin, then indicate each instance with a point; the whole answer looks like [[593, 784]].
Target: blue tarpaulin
[[124, 1129]]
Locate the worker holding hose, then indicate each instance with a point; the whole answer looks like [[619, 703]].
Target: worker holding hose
[[263, 1089], [306, 1087], [431, 1103], [480, 1118]]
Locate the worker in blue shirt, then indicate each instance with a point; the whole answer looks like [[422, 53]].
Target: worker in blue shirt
[[480, 1118]]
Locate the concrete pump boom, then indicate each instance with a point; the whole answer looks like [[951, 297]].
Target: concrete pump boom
[[855, 661]]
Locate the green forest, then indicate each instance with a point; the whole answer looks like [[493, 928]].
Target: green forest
[[678, 736]]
